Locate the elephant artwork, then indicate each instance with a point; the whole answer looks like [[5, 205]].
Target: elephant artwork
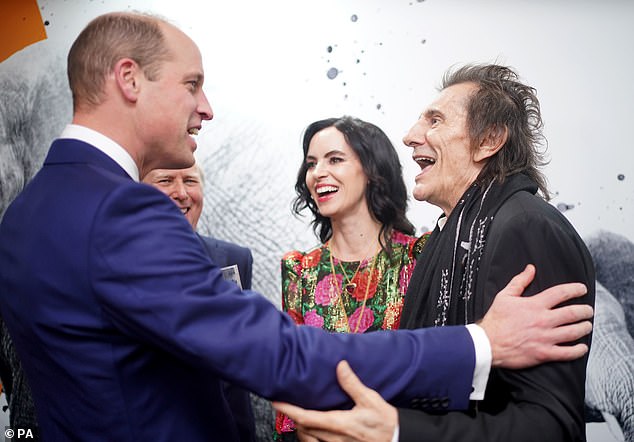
[[610, 372]]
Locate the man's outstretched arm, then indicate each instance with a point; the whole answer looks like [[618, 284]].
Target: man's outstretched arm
[[517, 341]]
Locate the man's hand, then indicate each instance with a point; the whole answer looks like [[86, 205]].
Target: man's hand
[[527, 331], [370, 420]]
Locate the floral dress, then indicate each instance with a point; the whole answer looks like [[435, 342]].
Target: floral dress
[[346, 297]]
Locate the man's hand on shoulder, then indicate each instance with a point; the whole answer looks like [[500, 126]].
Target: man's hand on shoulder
[[527, 331]]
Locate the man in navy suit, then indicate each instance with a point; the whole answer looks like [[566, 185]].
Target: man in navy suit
[[185, 188], [127, 330]]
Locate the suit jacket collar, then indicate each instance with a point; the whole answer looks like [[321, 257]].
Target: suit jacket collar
[[71, 151]]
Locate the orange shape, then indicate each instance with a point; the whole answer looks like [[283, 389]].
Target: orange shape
[[20, 25]]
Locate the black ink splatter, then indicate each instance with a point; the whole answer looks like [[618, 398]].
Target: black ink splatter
[[329, 49], [378, 106], [621, 177], [332, 73], [46, 23], [354, 18], [562, 207]]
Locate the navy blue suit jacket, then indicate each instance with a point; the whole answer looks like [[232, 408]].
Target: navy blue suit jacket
[[225, 253], [126, 329]]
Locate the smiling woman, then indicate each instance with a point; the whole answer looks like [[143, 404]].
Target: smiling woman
[[355, 281]]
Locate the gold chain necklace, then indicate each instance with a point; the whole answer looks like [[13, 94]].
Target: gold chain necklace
[[339, 293], [349, 286]]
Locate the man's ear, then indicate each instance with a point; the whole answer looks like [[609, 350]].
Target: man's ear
[[127, 77], [493, 140]]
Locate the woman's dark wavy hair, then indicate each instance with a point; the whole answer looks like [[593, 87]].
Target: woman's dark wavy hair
[[385, 192], [502, 101]]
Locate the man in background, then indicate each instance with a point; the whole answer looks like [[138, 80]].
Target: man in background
[[186, 188]]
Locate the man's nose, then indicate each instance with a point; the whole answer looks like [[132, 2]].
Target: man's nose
[[179, 191], [204, 108], [415, 136]]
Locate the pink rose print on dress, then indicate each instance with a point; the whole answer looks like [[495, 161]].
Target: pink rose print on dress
[[284, 424], [366, 320], [313, 319], [327, 290], [400, 238]]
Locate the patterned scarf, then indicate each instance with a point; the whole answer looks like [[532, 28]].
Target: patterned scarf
[[446, 272]]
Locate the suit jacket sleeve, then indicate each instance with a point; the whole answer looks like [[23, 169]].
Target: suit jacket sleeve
[[156, 285], [544, 403]]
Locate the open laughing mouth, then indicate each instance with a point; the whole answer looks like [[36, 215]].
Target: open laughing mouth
[[324, 191], [424, 161]]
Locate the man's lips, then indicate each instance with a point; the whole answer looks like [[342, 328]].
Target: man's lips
[[424, 161]]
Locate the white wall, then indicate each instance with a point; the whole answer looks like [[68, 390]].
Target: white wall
[[266, 64]]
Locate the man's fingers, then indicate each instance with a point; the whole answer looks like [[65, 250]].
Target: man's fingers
[[304, 436], [351, 384], [317, 435], [311, 419], [558, 294], [570, 332], [565, 352], [569, 314], [292, 411], [519, 282]]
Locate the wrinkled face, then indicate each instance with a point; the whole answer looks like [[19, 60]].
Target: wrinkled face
[[335, 176], [183, 186], [442, 148], [172, 107]]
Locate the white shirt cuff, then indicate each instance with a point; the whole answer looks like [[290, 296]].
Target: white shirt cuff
[[395, 435], [483, 361]]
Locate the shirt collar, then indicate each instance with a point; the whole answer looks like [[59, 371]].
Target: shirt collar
[[441, 222], [108, 146]]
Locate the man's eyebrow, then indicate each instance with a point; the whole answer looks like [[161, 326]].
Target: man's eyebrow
[[198, 76], [432, 111]]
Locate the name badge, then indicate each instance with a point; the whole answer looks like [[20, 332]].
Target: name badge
[[231, 273]]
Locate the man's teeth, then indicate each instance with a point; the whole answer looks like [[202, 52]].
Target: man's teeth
[[425, 161], [326, 189], [184, 210], [193, 131]]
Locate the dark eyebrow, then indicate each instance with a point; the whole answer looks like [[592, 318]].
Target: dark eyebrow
[[432, 112], [328, 154], [335, 152]]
